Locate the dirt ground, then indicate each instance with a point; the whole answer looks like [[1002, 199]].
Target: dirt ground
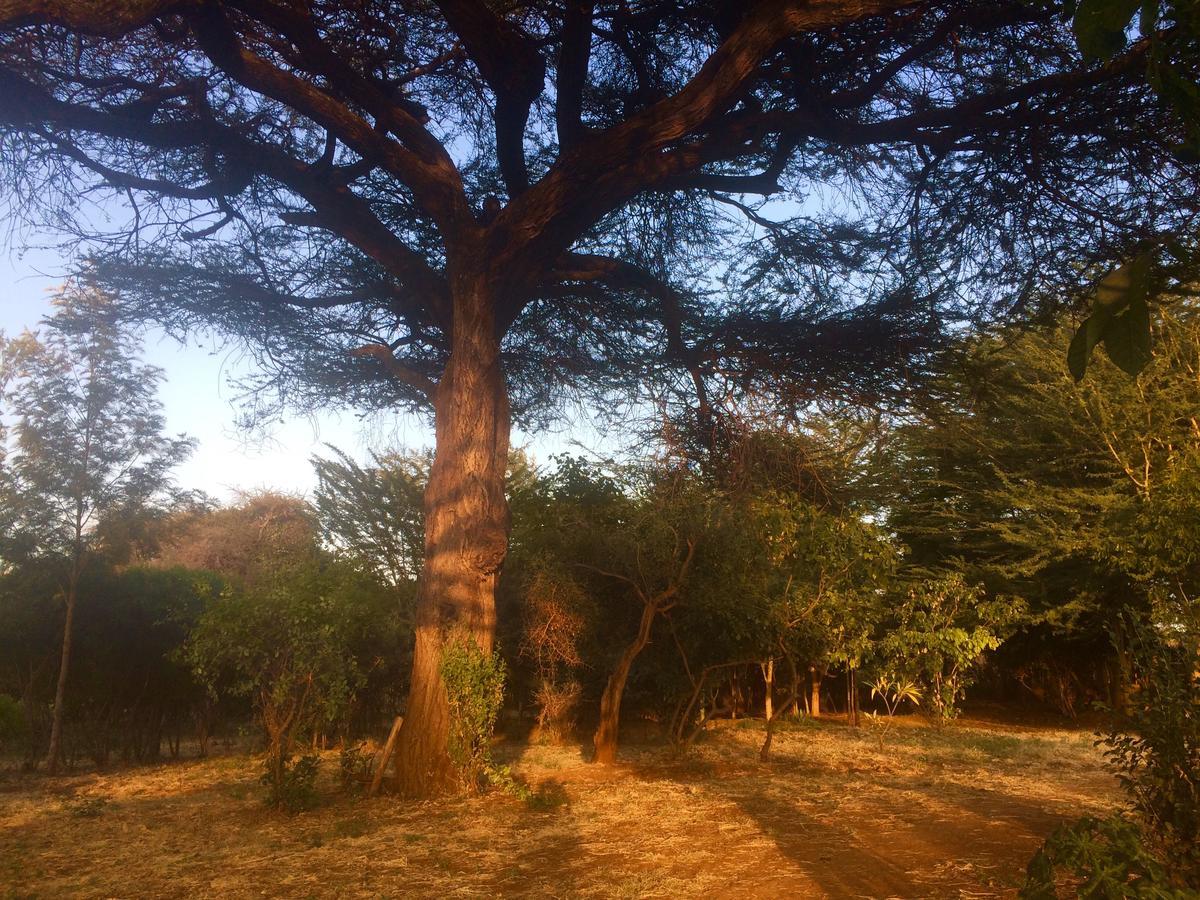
[[951, 814]]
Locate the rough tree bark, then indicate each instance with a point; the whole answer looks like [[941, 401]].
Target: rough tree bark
[[466, 532]]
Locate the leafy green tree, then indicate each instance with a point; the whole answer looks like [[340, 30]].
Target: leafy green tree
[[1076, 497], [87, 440], [939, 632], [832, 571], [374, 515], [131, 688], [286, 641]]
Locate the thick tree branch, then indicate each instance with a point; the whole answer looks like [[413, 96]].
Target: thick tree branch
[[573, 57], [99, 17], [396, 369], [435, 184], [512, 67], [617, 163], [389, 107]]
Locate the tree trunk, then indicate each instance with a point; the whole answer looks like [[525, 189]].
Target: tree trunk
[[795, 672], [466, 535], [610, 701], [855, 721], [817, 674], [768, 670], [54, 754]]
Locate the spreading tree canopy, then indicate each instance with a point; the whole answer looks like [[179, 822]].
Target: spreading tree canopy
[[482, 208]]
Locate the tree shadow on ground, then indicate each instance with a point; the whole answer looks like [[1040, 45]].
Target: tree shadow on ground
[[907, 836]]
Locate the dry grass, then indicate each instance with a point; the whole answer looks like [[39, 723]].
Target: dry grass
[[935, 815]]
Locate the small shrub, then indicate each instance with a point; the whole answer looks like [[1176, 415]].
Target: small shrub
[[475, 690], [1108, 857], [12, 722], [554, 624], [940, 632], [356, 764], [558, 707], [892, 693], [1154, 850], [292, 785], [1155, 748]]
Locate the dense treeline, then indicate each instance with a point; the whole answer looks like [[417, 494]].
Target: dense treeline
[[1016, 519]]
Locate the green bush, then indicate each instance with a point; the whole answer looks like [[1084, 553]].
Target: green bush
[[938, 635], [1108, 857], [12, 722], [475, 690], [1155, 748], [291, 784], [356, 764]]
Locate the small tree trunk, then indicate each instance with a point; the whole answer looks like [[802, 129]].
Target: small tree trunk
[[851, 698], [610, 702], [466, 534], [768, 670], [764, 753], [816, 674], [854, 695], [54, 754], [385, 757]]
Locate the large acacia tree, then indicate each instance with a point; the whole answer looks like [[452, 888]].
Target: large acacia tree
[[478, 208]]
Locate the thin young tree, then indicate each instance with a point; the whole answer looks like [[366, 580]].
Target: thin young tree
[[87, 440], [480, 209]]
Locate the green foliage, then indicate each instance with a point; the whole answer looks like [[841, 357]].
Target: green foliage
[[892, 693], [291, 783], [474, 683], [283, 646], [1109, 859], [1154, 851], [87, 429], [289, 638], [1120, 320], [372, 515], [939, 632], [1080, 498], [1170, 30], [132, 686], [1100, 25], [13, 726], [355, 766], [1155, 749]]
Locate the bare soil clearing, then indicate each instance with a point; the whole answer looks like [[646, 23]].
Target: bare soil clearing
[[952, 814]]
